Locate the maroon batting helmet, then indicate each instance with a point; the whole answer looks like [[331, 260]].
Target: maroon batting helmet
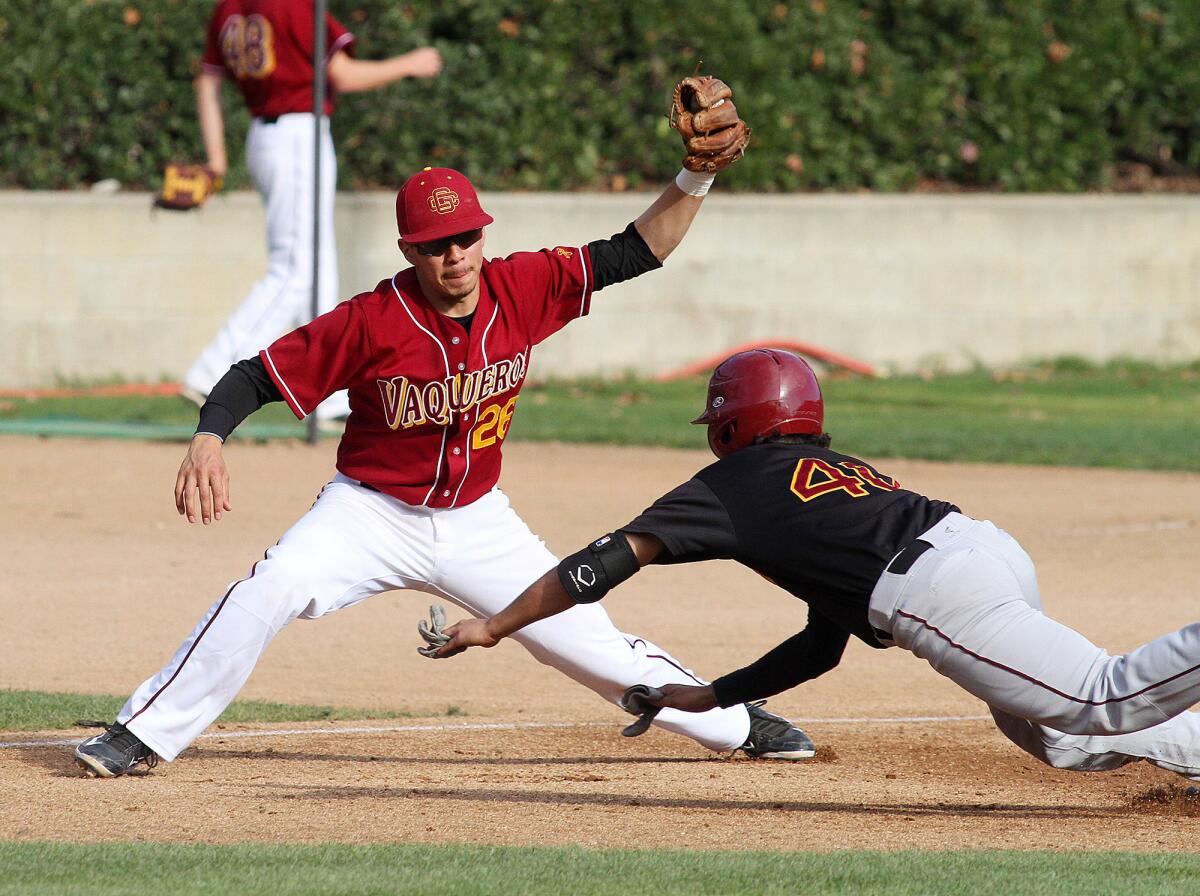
[[764, 392]]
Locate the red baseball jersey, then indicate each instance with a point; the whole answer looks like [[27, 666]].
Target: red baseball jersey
[[267, 47], [430, 402]]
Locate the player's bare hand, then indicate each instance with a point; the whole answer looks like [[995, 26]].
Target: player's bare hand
[[424, 62], [687, 697], [468, 633], [202, 486]]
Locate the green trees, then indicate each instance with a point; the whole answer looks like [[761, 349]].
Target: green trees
[[572, 94]]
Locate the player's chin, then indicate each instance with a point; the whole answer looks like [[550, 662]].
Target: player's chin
[[457, 287]]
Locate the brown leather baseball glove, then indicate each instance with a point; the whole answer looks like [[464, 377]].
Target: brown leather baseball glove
[[186, 187], [713, 134]]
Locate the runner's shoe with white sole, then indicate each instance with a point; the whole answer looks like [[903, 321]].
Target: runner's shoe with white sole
[[774, 737]]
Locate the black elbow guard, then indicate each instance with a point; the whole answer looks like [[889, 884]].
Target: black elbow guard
[[604, 564]]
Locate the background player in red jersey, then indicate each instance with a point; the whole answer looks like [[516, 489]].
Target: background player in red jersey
[[886, 565], [434, 359], [266, 47]]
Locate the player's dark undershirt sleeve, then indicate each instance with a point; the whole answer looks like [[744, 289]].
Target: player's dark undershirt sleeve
[[243, 389], [622, 256], [692, 524], [800, 658]]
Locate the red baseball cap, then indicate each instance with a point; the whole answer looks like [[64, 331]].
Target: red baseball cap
[[437, 202]]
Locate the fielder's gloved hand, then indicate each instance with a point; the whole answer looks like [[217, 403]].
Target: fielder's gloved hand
[[432, 631], [713, 133], [634, 701]]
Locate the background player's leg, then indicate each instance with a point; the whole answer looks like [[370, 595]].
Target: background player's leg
[[486, 556], [279, 157], [340, 552], [970, 610], [337, 405]]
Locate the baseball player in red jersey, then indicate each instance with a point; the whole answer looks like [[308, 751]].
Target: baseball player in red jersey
[[883, 564], [266, 47], [434, 359]]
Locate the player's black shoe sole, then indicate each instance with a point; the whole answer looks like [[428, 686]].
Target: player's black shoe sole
[[774, 737], [113, 753]]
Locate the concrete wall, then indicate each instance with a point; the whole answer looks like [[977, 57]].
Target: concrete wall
[[96, 286]]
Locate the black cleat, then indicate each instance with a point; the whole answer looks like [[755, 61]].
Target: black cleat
[[113, 753], [774, 737]]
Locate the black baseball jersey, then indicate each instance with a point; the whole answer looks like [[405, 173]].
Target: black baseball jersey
[[819, 524]]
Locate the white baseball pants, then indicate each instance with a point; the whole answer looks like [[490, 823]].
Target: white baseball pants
[[280, 159], [355, 543], [972, 608]]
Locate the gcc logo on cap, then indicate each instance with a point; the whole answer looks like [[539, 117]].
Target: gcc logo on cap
[[438, 202], [443, 200]]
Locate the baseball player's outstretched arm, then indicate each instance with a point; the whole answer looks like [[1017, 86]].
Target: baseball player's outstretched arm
[[664, 223], [350, 75], [802, 657], [544, 598], [212, 122]]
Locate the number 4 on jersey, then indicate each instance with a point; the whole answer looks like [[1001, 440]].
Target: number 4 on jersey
[[815, 477]]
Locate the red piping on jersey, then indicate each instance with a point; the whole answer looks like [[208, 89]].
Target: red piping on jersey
[[297, 408], [1034, 681], [583, 294], [804, 348], [340, 42], [665, 659]]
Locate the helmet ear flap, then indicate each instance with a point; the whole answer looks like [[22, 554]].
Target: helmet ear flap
[[727, 432], [722, 437]]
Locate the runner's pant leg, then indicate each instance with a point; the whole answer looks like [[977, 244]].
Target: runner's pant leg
[[1173, 745], [965, 608]]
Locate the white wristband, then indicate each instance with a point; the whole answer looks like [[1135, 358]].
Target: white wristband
[[693, 182]]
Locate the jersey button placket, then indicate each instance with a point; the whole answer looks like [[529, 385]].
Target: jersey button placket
[[455, 467]]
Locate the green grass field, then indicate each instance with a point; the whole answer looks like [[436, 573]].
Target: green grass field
[[47, 711], [1067, 413], [97, 870], [41, 869]]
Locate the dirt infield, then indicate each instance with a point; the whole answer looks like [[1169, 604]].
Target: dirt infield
[[101, 580]]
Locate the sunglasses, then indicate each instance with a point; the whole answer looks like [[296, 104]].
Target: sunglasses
[[463, 240]]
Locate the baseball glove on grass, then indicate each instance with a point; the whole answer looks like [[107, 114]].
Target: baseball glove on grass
[[186, 187], [703, 113]]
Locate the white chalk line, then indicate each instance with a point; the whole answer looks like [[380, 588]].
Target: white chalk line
[[485, 726], [1133, 528]]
